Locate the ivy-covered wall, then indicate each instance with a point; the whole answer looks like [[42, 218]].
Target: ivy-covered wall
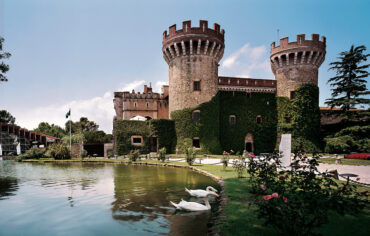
[[163, 129], [301, 117], [214, 129]]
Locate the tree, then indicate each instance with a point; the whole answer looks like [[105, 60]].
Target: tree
[[6, 117], [350, 81], [82, 126], [98, 136], [52, 130], [3, 67]]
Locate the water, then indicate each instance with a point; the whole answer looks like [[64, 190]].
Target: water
[[98, 199]]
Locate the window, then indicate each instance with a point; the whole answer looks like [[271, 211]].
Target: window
[[196, 142], [136, 140], [249, 95], [292, 94], [259, 119], [287, 119], [196, 85], [232, 119], [196, 115], [135, 104], [147, 104]]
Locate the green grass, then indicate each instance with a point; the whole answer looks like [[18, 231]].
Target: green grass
[[352, 162], [239, 216]]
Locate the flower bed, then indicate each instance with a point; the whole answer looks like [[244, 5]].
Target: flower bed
[[362, 156]]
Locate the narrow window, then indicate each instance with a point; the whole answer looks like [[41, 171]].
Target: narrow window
[[196, 85], [292, 94], [232, 119], [196, 115], [287, 119], [147, 104], [259, 119], [196, 142], [135, 104]]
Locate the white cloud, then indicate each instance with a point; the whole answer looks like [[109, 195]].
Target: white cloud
[[247, 61], [158, 86], [99, 109]]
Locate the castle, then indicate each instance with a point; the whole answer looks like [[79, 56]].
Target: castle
[[193, 55]]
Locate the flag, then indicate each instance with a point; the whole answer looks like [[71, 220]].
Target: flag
[[68, 114]]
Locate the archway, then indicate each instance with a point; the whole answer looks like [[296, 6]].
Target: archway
[[248, 143]]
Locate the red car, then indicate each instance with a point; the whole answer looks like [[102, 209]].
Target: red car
[[363, 156]]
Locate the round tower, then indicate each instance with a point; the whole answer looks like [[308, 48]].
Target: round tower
[[297, 63], [192, 55]]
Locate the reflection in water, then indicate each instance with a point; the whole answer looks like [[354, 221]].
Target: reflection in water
[[97, 199]]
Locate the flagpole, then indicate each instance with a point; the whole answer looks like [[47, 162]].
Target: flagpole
[[70, 129]]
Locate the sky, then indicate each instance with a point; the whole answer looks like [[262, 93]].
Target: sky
[[76, 54]]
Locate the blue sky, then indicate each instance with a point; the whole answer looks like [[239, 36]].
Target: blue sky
[[68, 53]]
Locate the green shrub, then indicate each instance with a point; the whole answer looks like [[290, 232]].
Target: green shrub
[[301, 196], [59, 151], [83, 154], [134, 155], [162, 154], [33, 153], [239, 167], [190, 155]]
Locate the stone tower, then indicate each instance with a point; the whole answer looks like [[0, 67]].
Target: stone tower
[[192, 54], [297, 63]]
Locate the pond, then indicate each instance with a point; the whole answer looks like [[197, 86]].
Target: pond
[[98, 199]]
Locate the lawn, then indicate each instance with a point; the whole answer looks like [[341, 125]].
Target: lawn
[[239, 216], [352, 162]]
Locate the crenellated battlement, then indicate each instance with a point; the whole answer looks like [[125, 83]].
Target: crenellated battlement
[[301, 42], [190, 41], [188, 30]]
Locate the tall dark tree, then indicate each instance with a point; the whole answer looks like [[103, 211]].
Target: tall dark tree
[[3, 67], [52, 130], [82, 126], [6, 117], [349, 83]]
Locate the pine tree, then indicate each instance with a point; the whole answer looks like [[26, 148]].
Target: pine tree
[[3, 67], [349, 83]]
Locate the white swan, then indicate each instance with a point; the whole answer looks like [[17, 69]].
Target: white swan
[[201, 192], [193, 206]]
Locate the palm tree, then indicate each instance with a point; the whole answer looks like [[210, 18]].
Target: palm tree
[[350, 81]]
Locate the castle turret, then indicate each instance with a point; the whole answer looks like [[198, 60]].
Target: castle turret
[[297, 63], [192, 54]]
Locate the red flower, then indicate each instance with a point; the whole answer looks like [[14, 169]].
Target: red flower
[[285, 199], [267, 197], [252, 155], [275, 195], [263, 187]]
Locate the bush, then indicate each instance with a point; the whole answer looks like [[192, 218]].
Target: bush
[[363, 156], [134, 155], [191, 155], [59, 151], [83, 154], [301, 195], [162, 154], [33, 153], [238, 165], [225, 159]]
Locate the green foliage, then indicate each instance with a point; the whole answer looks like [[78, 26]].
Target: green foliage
[[77, 138], [134, 155], [349, 83], [3, 67], [162, 154], [301, 196], [124, 129], [97, 137], [5, 116], [214, 121], [52, 130], [81, 126], [83, 154], [33, 153], [350, 139], [59, 151], [190, 152], [164, 130]]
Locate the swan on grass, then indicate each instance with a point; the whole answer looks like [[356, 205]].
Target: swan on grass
[[201, 192], [194, 206]]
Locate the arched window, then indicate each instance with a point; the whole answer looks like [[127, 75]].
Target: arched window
[[147, 104], [135, 104], [232, 119], [196, 115], [259, 119]]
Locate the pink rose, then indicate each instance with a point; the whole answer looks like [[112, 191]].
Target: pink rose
[[263, 187], [285, 199], [275, 195], [252, 155], [267, 197]]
